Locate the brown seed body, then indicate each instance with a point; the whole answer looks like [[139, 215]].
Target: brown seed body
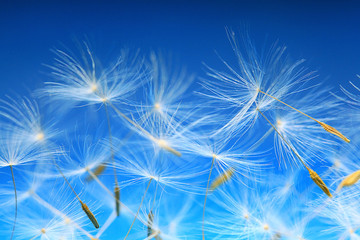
[[332, 130], [277, 236], [316, 178], [222, 178], [117, 199], [173, 151], [165, 146], [97, 172], [350, 180], [89, 214], [150, 222]]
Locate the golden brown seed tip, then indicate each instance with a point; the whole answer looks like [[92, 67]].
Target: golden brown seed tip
[[222, 178], [350, 180], [117, 199], [89, 214], [316, 178], [332, 130], [43, 231]]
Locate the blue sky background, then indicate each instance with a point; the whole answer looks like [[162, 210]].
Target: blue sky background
[[326, 33]]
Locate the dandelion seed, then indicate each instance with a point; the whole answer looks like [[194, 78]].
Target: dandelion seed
[[324, 125], [350, 180], [160, 142], [83, 205], [141, 166], [67, 223], [316, 178], [252, 213], [17, 151], [89, 214], [84, 82], [167, 89], [33, 226], [25, 121], [239, 86], [226, 176], [223, 158], [305, 136]]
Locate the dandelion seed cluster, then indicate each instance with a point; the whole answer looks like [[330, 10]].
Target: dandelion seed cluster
[[260, 150]]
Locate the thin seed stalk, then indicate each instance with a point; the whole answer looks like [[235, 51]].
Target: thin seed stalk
[[15, 195], [206, 193], [117, 188], [150, 231], [137, 213]]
